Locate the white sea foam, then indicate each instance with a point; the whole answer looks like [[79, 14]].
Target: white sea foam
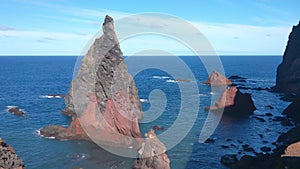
[[143, 100], [10, 107], [211, 93], [38, 132], [171, 81], [160, 77], [50, 97]]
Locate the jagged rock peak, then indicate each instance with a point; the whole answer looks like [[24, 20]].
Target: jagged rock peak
[[103, 98]]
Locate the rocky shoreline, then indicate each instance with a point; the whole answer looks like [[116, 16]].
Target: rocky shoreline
[[287, 152]]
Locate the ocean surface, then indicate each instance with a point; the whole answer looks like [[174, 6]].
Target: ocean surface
[[26, 81]]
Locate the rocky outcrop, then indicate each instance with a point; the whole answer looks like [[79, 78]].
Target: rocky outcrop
[[8, 157], [16, 111], [217, 78], [234, 102], [288, 72], [152, 154], [103, 99]]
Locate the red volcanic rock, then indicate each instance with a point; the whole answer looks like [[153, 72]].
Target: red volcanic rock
[[233, 101], [152, 154], [8, 157], [103, 99], [217, 78], [292, 150]]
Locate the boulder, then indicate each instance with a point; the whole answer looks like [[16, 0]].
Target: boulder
[[288, 72], [16, 111], [103, 99], [152, 154], [234, 102], [217, 78], [8, 157]]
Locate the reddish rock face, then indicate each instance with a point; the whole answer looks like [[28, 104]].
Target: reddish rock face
[[233, 101], [103, 99], [217, 78], [292, 150]]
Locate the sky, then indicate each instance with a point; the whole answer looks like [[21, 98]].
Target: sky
[[64, 27]]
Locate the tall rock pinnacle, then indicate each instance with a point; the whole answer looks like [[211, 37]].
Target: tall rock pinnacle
[[103, 98]]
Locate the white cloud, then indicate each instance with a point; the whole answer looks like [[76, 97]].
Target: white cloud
[[43, 34]]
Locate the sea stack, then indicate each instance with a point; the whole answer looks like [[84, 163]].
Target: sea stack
[[8, 157], [234, 102], [216, 78], [152, 154], [288, 72], [103, 99]]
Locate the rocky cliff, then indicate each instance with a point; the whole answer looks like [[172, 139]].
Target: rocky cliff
[[288, 72], [152, 154], [103, 98], [8, 157]]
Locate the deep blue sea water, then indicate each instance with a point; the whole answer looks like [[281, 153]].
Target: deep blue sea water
[[24, 81]]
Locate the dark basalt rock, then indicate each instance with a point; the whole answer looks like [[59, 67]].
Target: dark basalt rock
[[265, 149], [229, 159], [209, 140], [293, 110], [235, 77], [8, 157], [157, 128], [16, 111], [288, 72]]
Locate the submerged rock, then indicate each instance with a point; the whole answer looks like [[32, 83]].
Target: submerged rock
[[157, 127], [8, 157], [152, 154], [217, 78], [288, 72], [229, 159], [234, 102], [16, 111], [103, 99]]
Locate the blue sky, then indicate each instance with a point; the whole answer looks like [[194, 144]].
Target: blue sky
[[63, 27]]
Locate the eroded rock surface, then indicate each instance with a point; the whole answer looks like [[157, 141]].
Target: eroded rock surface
[[103, 99]]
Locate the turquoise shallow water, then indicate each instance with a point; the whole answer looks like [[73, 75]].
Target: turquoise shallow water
[[25, 81]]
